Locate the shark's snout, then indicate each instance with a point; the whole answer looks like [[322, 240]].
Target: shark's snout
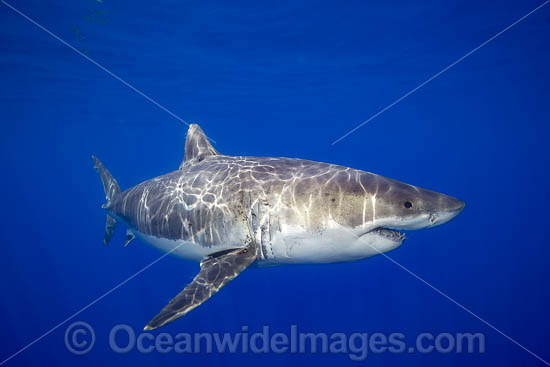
[[448, 208], [451, 204], [406, 207]]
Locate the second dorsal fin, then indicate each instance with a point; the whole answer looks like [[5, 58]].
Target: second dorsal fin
[[197, 145]]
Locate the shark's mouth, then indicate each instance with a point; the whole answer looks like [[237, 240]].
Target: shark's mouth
[[390, 234]]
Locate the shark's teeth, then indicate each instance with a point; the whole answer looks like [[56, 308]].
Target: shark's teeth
[[389, 233]]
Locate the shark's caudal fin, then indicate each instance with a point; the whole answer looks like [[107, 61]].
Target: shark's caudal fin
[[111, 188]]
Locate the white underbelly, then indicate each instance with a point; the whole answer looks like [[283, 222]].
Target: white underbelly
[[293, 246], [185, 249], [332, 245]]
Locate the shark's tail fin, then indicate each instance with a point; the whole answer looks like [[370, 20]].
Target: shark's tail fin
[[111, 188]]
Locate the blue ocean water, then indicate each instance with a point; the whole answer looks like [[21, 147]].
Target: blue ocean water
[[277, 79]]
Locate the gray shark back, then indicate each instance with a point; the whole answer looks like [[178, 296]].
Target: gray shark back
[[205, 202], [225, 199]]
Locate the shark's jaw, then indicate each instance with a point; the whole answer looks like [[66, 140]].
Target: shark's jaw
[[379, 240], [387, 233]]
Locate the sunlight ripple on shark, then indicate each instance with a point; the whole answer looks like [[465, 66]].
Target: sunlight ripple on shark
[[230, 212]]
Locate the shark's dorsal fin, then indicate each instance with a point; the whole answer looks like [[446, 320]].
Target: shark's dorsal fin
[[197, 145]]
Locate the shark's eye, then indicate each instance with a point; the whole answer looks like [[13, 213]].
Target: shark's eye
[[407, 204]]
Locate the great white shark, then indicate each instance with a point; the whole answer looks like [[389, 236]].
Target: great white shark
[[229, 212]]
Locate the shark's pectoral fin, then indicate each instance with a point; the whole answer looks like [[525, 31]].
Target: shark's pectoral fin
[[216, 271]]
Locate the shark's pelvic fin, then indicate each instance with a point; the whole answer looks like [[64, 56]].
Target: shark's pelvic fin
[[129, 237], [216, 271], [197, 145], [111, 188]]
